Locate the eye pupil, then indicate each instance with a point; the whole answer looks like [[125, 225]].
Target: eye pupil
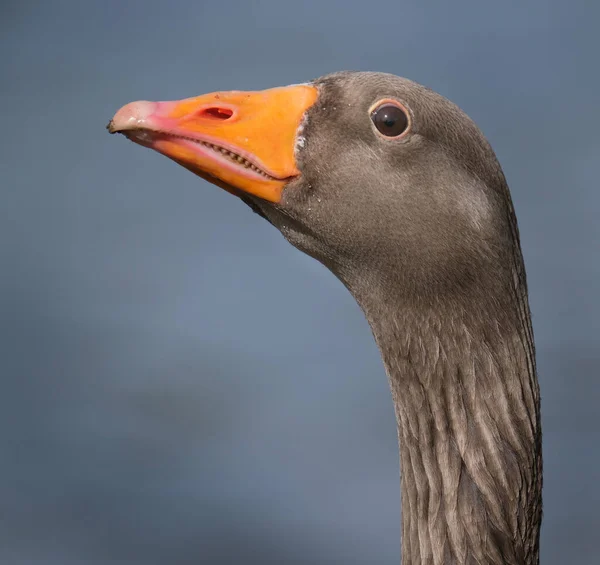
[[390, 120]]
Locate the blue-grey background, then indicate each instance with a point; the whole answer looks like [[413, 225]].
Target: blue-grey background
[[181, 386]]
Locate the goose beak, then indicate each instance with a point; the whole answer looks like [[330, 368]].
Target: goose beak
[[242, 141]]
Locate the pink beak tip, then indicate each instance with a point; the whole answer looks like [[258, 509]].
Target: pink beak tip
[[134, 115]]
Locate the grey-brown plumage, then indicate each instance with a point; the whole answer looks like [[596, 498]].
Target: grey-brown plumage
[[422, 231]]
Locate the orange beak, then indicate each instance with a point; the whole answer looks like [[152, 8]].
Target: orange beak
[[237, 140]]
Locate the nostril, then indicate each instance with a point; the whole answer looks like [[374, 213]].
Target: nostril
[[216, 113]]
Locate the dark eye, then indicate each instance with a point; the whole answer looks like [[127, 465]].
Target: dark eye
[[390, 119]]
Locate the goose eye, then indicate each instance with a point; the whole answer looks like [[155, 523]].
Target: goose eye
[[390, 119]]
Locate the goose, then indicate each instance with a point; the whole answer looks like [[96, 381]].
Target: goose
[[397, 192]]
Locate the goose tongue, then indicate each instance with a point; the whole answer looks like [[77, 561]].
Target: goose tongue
[[240, 140]]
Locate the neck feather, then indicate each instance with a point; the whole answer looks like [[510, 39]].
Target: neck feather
[[466, 397]]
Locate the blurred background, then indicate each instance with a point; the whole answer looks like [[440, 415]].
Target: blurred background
[[178, 384]]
